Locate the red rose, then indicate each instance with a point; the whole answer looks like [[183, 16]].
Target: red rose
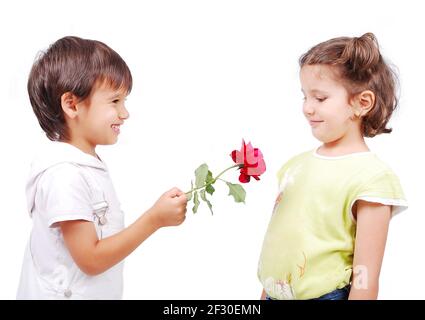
[[252, 161], [248, 160]]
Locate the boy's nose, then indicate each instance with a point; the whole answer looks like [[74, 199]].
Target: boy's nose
[[124, 114]]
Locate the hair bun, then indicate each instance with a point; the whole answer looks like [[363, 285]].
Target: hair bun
[[361, 56]]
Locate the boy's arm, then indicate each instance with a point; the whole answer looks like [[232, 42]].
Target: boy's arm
[[371, 235], [263, 295], [94, 256]]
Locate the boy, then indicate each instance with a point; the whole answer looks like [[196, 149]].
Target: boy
[[77, 89]]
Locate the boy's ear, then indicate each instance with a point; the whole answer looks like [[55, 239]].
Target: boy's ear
[[363, 103], [69, 104]]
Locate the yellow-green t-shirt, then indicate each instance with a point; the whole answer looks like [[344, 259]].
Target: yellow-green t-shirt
[[309, 244]]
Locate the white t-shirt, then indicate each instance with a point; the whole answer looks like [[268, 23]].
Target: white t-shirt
[[68, 184]]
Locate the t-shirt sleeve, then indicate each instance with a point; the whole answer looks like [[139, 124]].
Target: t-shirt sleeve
[[64, 195], [384, 188], [280, 173], [281, 176]]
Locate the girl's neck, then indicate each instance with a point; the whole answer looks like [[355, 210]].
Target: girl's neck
[[340, 148]]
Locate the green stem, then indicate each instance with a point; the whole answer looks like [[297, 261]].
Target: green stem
[[238, 165]]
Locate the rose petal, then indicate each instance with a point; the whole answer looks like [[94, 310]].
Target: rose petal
[[233, 155], [237, 156], [244, 178], [250, 158], [262, 166]]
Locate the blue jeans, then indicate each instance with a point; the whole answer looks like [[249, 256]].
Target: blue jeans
[[338, 294]]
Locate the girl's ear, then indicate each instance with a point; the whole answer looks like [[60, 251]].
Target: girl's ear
[[363, 103], [69, 104]]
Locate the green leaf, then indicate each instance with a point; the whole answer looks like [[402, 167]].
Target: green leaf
[[196, 202], [209, 177], [210, 189], [201, 175], [203, 197], [189, 194], [237, 191]]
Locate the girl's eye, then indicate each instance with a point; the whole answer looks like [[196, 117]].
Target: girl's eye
[[320, 99], [116, 101]]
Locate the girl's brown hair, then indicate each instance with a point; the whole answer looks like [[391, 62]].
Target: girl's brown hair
[[71, 64], [360, 65]]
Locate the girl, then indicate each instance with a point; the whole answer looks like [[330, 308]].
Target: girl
[[327, 234]]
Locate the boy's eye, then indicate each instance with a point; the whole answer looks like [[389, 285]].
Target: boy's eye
[[116, 101], [320, 99]]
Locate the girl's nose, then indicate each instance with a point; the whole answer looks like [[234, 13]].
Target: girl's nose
[[308, 108]]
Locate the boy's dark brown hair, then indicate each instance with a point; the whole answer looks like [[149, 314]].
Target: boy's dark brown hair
[[72, 64], [359, 64]]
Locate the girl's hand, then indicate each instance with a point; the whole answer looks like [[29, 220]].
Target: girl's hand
[[170, 208]]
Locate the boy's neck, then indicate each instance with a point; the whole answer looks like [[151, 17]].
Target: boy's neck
[[84, 146]]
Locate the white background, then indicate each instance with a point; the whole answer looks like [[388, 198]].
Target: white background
[[207, 74]]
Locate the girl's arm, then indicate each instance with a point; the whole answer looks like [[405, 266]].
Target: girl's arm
[[371, 234], [263, 295], [94, 256]]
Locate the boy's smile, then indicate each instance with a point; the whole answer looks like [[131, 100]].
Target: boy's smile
[[116, 128]]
